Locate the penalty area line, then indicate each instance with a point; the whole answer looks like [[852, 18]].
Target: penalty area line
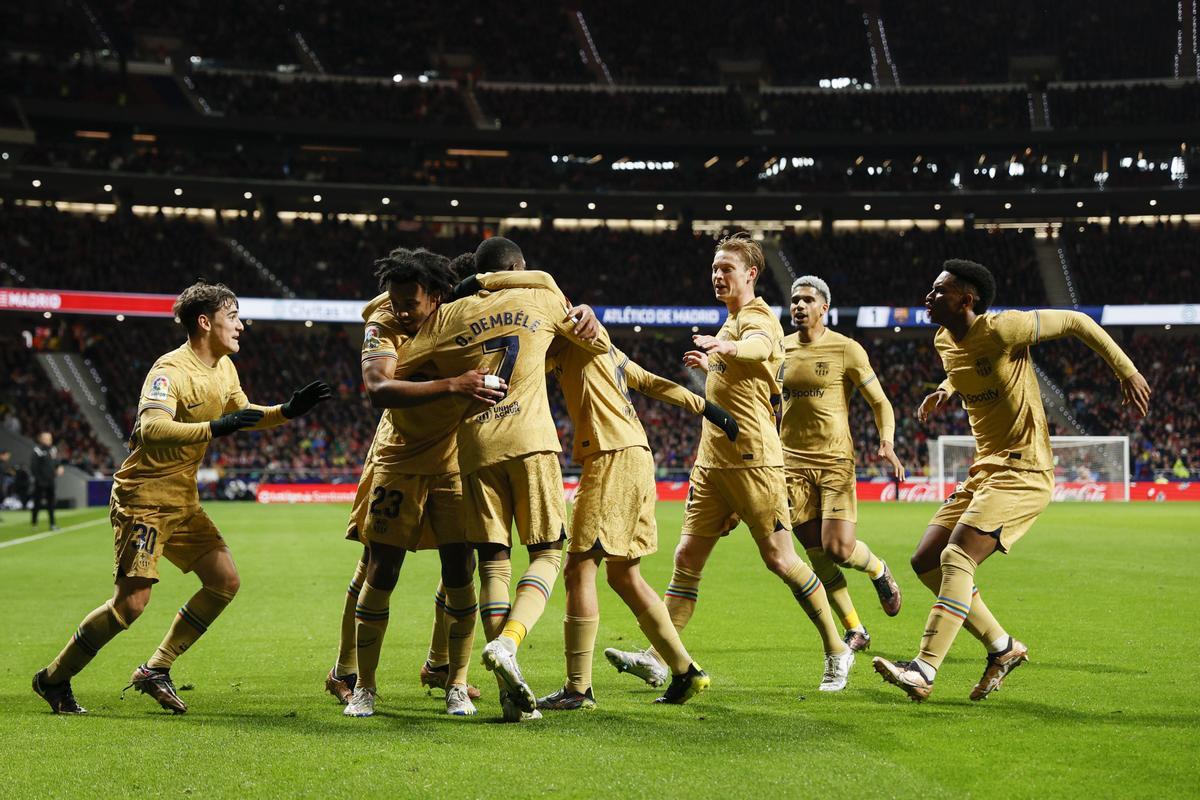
[[47, 534]]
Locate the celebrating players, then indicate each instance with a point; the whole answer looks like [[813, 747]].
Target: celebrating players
[[508, 453], [741, 479], [988, 364], [821, 370], [191, 395]]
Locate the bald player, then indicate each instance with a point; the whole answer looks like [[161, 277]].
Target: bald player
[[988, 364], [508, 454], [743, 479], [822, 370], [190, 396]]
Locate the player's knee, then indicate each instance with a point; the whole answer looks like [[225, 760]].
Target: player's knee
[[686, 559], [227, 586], [779, 563], [954, 558], [620, 580], [839, 550], [131, 606]]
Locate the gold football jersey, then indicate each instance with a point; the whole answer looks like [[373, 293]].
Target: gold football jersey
[[745, 389]]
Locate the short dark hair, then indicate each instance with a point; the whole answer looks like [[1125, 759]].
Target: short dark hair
[[201, 298], [497, 254], [425, 268], [978, 280], [463, 265]]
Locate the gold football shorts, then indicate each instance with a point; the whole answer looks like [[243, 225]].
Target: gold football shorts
[[415, 512], [822, 492], [719, 497], [614, 505], [527, 490], [998, 501], [358, 512], [142, 534]]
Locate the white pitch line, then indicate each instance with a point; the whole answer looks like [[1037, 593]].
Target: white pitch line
[[48, 534]]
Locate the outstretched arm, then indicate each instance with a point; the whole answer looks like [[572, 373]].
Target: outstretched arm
[[1055, 324]]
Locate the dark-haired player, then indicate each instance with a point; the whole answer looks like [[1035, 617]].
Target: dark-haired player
[[988, 364], [822, 369], [191, 395], [508, 453], [416, 491]]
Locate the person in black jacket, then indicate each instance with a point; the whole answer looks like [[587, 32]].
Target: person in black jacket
[[45, 469]]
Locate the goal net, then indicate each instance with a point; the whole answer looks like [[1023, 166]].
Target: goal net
[[1086, 468]]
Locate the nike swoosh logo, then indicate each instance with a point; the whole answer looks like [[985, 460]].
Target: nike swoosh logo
[[195, 405]]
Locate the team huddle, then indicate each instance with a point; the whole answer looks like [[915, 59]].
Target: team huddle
[[465, 460]]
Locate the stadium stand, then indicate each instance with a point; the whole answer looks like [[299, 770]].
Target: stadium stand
[[1134, 263]]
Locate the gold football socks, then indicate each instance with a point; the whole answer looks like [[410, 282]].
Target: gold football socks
[[533, 590], [194, 618], [461, 605], [97, 629], [579, 641], [372, 613], [494, 578], [980, 622], [951, 608], [863, 560], [347, 660], [807, 589], [664, 638], [439, 646], [835, 586]]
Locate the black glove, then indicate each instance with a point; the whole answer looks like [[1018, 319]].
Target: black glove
[[722, 419], [235, 421], [466, 287], [304, 399]]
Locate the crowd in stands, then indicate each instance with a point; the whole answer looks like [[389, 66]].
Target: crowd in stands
[[1098, 106], [119, 252], [1163, 445], [942, 43], [795, 43], [1134, 263], [884, 112], [379, 102], [29, 403], [898, 269], [330, 444]]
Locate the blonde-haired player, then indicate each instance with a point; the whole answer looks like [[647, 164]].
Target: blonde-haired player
[[822, 370], [190, 396], [988, 364], [743, 479]]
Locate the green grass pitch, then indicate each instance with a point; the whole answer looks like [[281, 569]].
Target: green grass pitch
[[1105, 596]]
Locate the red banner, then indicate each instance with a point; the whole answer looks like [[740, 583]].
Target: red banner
[[70, 302], [306, 492]]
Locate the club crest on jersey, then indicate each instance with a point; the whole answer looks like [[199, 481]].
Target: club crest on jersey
[[371, 338], [983, 366], [160, 387], [822, 368]]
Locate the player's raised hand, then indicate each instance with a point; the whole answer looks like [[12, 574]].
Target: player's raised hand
[[1136, 393], [711, 344], [932, 403], [235, 421], [722, 419], [479, 384], [888, 454], [587, 326], [696, 359], [303, 400]]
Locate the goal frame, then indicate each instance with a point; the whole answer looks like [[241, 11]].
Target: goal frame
[[969, 441]]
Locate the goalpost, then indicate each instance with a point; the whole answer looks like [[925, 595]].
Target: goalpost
[[1086, 468]]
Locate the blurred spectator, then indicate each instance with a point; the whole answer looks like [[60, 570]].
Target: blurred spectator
[[46, 468]]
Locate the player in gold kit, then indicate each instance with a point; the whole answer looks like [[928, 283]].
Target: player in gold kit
[[822, 370], [988, 364], [614, 505], [416, 493], [743, 479], [508, 454], [191, 395]]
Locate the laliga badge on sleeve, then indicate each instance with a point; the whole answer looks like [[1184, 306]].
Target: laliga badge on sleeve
[[371, 339], [160, 387]]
